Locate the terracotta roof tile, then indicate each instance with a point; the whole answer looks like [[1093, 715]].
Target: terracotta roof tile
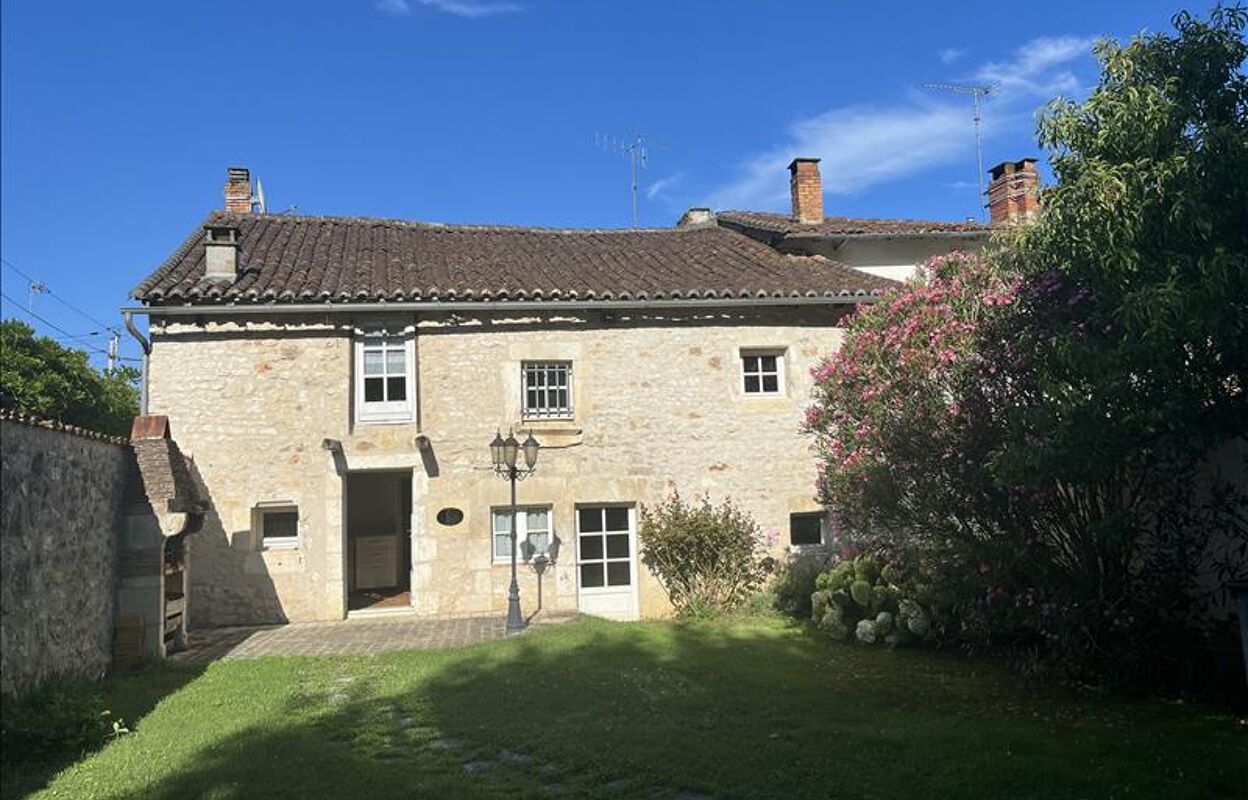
[[846, 226], [351, 259]]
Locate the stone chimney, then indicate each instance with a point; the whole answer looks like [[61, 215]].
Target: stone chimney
[[238, 190], [806, 188], [1014, 193], [220, 251]]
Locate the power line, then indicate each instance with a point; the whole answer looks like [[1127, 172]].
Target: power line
[[53, 326], [45, 289]]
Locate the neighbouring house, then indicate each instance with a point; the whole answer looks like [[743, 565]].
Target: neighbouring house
[[338, 381], [889, 248]]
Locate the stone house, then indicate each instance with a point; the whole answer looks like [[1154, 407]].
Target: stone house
[[338, 382]]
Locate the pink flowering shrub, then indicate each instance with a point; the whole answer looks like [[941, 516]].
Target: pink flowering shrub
[[889, 414]]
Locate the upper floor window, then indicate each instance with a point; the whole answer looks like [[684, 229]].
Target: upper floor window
[[384, 378], [547, 389], [762, 372]]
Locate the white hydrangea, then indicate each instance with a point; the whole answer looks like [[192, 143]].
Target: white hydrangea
[[865, 632]]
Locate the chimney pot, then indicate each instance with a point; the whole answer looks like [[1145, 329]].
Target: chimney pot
[[238, 197], [695, 217], [806, 189], [1014, 193]]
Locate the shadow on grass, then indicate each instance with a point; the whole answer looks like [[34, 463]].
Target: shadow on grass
[[128, 698], [721, 709]]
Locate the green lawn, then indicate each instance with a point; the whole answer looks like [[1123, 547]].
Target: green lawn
[[740, 708]]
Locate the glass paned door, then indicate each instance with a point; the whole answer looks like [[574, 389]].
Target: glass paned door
[[606, 561]]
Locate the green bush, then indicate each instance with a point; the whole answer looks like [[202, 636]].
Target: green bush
[[794, 584], [710, 559], [65, 718], [890, 610]]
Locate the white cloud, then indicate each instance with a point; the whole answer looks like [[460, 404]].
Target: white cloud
[[1032, 68], [660, 186], [950, 55], [394, 8], [460, 8], [862, 146]]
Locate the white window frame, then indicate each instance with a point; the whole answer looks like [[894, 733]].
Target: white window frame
[[823, 532], [262, 510], [386, 412], [564, 412], [631, 558], [522, 532], [762, 352]]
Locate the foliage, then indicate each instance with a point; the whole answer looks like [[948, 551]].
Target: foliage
[[41, 377], [63, 718], [794, 582], [1032, 429], [710, 559], [887, 604]]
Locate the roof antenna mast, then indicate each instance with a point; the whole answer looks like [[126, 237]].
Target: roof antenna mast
[[977, 92], [635, 149]]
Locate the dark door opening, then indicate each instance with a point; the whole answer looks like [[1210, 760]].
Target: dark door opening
[[379, 540]]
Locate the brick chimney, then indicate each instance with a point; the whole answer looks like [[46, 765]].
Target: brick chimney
[[1014, 193], [806, 188], [238, 190]]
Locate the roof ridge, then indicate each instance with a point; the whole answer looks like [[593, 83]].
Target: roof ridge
[[451, 226], [789, 218]]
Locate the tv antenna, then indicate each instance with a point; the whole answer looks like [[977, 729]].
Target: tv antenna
[[635, 149], [32, 290], [977, 92]]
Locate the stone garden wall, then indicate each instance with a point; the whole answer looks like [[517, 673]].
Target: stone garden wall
[[63, 495]]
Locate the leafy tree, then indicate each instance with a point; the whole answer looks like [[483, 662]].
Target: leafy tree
[[39, 376], [1034, 432]]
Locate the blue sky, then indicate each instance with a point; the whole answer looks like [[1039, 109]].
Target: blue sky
[[119, 119]]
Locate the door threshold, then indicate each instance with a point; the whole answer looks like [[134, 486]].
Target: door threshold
[[361, 613]]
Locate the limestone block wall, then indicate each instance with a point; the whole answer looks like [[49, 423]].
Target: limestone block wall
[[62, 505], [658, 406]]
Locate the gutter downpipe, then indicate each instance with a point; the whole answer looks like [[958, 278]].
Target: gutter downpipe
[[128, 315]]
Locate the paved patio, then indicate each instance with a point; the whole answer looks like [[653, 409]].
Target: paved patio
[[367, 636]]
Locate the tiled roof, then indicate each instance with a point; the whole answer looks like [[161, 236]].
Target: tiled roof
[[847, 226], [293, 259], [17, 416]]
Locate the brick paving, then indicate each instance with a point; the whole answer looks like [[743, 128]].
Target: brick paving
[[350, 637]]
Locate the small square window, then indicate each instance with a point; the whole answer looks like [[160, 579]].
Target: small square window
[[279, 526], [533, 533], [762, 372], [806, 530], [547, 392]]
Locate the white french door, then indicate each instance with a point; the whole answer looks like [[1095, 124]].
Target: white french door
[[606, 561]]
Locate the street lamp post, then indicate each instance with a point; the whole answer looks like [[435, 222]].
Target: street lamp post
[[504, 453]]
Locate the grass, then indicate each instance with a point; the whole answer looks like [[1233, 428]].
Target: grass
[[740, 708]]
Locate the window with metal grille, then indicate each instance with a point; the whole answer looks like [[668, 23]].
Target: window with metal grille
[[547, 389], [762, 372]]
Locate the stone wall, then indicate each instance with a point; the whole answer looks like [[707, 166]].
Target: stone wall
[[658, 405], [62, 505]]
